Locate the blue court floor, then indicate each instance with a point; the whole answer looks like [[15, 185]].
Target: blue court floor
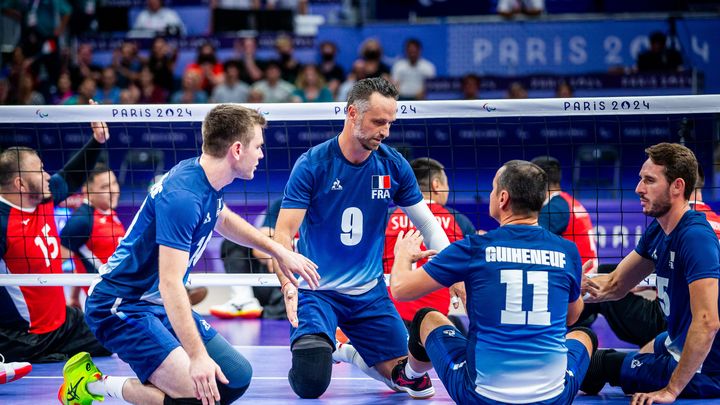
[[265, 344]]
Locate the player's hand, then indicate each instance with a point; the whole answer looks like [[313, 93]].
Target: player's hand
[[664, 396], [409, 246], [594, 289], [101, 133], [457, 294], [203, 372], [290, 293], [294, 263]]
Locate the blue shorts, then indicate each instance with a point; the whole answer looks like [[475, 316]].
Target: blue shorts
[[650, 372], [447, 349], [139, 332], [369, 320]]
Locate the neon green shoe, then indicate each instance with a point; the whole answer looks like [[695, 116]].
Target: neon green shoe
[[77, 373]]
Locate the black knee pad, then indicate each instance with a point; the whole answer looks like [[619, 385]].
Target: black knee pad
[[181, 401], [228, 394], [311, 368], [415, 347], [589, 332]]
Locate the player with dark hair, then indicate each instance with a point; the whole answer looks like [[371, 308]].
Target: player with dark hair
[[682, 249], [338, 196], [35, 323], [93, 231], [139, 308], [565, 216], [432, 179], [523, 289]]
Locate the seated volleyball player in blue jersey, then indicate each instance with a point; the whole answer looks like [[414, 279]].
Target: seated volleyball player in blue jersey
[[523, 289], [683, 250], [340, 191], [36, 325], [139, 308]]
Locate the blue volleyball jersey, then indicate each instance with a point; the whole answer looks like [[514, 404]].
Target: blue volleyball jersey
[[179, 212], [690, 252], [519, 280], [347, 208]]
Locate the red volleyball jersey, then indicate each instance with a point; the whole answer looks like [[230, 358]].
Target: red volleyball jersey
[[398, 221], [29, 243], [93, 236], [580, 231], [712, 218]]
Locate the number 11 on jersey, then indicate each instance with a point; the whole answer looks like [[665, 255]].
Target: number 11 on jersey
[[513, 313]]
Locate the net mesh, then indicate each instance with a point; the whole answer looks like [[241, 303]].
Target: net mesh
[[599, 142]]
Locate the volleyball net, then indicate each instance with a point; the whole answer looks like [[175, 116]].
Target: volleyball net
[[599, 143]]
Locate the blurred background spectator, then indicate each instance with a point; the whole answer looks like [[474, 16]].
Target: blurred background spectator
[[157, 20], [232, 90], [659, 58], [411, 72], [311, 86]]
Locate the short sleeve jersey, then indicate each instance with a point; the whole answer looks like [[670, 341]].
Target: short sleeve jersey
[[455, 225], [690, 252], [519, 281], [93, 235], [179, 212], [347, 209], [29, 243]]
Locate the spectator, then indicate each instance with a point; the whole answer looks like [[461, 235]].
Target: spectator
[[273, 88], [564, 90], [108, 93], [311, 86], [46, 22], [356, 73], [232, 90], [130, 95], [289, 66], [127, 63], [507, 8], [251, 69], [470, 86], [150, 93], [411, 72], [162, 63], [26, 94], [84, 66], [157, 20], [517, 91], [86, 91], [63, 90], [190, 93], [333, 73], [207, 67], [659, 58], [371, 53]]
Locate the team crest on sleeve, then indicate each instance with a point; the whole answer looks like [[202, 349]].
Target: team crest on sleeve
[[380, 187]]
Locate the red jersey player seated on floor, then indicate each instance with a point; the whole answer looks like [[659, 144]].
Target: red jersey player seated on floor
[[433, 182], [35, 324], [93, 231], [696, 203], [564, 216]]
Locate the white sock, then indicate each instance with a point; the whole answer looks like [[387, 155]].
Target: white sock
[[242, 294], [412, 374], [108, 386], [346, 353]]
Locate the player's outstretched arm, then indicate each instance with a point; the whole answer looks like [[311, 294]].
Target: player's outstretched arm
[[631, 271], [172, 264], [235, 228], [286, 227], [407, 284], [700, 337]]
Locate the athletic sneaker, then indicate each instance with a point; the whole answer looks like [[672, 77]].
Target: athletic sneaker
[[417, 388], [77, 373], [231, 309], [16, 370]]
